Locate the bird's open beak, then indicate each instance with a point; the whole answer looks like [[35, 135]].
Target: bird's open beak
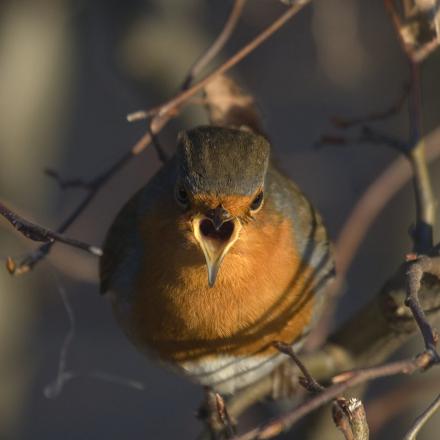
[[215, 235]]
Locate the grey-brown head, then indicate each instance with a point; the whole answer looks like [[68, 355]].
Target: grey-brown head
[[220, 184]]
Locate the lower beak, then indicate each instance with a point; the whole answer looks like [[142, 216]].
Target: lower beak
[[215, 242]]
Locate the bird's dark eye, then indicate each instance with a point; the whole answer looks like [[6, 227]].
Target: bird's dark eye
[[256, 203], [182, 196]]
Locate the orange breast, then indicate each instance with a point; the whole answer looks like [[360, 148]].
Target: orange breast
[[261, 293]]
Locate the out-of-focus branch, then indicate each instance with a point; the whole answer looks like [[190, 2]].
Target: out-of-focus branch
[[161, 116], [379, 115], [184, 96], [422, 419], [217, 45], [38, 233]]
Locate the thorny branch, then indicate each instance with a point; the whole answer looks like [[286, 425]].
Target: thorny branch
[[160, 117]]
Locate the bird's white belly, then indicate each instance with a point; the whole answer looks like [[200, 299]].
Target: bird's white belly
[[226, 374]]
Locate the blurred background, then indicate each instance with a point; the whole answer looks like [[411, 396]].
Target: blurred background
[[69, 73]]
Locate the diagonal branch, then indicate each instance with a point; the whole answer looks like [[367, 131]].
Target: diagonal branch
[[185, 95], [344, 382], [39, 233], [422, 419], [162, 115], [217, 44]]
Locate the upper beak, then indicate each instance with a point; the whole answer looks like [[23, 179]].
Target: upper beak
[[216, 233]]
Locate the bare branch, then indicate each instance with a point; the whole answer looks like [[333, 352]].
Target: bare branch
[[344, 382], [416, 268], [379, 115], [308, 381], [38, 233], [422, 419], [66, 183], [183, 96], [418, 28], [162, 115], [349, 416], [217, 44]]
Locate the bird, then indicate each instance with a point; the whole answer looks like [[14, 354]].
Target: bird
[[215, 258]]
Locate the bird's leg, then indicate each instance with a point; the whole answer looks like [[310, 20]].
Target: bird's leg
[[214, 413]]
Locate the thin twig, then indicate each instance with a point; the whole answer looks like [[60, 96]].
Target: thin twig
[[161, 154], [66, 183], [366, 135], [380, 115], [183, 96], [217, 45], [422, 419], [41, 234], [163, 114], [308, 381], [348, 415], [344, 382], [53, 390]]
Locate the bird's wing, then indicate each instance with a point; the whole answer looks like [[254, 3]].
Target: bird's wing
[[309, 231], [119, 242]]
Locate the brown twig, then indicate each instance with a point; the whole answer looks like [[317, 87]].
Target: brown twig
[[183, 96], [422, 419], [374, 116], [66, 183], [217, 45], [414, 151], [343, 382], [417, 267], [163, 114], [417, 28], [40, 234], [307, 381], [223, 414], [386, 406], [366, 135], [349, 416]]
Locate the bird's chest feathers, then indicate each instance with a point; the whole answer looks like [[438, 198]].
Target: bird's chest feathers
[[260, 294]]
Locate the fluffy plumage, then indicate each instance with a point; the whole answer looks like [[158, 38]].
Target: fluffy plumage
[[270, 282]]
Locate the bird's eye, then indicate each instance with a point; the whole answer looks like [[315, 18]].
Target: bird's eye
[[256, 203], [182, 196]]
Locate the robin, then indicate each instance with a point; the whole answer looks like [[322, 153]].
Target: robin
[[215, 258]]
